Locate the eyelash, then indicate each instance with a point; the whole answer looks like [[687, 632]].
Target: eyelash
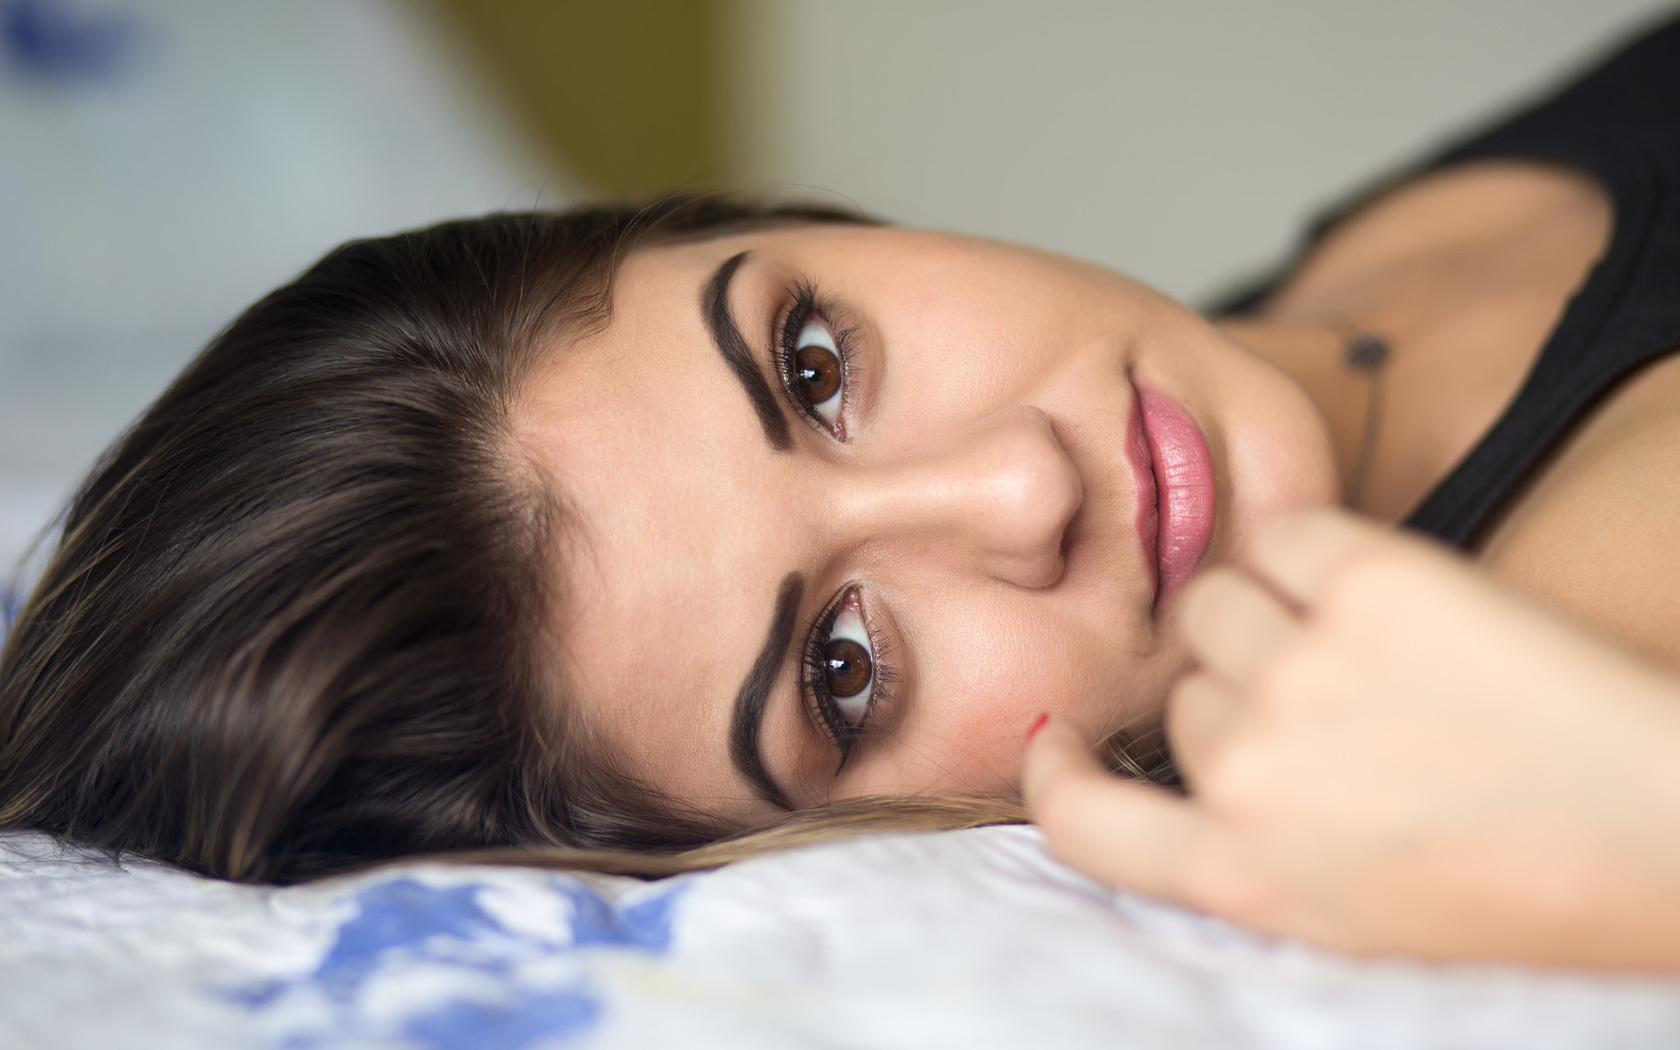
[[815, 685], [805, 303]]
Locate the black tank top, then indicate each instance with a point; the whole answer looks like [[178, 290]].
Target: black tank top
[[1619, 124]]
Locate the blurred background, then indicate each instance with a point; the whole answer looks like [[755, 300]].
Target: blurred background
[[165, 162]]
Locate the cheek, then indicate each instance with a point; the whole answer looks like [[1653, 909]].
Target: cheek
[[1278, 450], [993, 672], [952, 356]]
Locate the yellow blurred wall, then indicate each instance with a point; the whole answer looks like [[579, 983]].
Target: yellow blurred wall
[[624, 93]]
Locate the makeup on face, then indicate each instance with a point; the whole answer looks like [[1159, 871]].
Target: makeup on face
[[1186, 502], [858, 503]]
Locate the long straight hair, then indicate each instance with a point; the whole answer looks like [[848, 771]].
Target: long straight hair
[[291, 623]]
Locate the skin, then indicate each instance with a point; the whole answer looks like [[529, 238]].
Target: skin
[[1389, 754], [1390, 750], [981, 505]]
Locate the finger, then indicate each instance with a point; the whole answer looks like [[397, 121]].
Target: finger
[[1232, 624], [1301, 551], [1200, 713], [1120, 832]]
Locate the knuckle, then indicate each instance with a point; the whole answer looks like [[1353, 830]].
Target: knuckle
[[1191, 699], [1200, 607], [1364, 582], [1242, 778], [1291, 676]]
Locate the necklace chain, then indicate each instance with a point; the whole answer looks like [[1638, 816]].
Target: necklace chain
[[1365, 351]]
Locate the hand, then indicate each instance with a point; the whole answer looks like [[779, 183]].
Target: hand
[[1387, 754]]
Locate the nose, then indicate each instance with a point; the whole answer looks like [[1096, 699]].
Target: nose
[[997, 495]]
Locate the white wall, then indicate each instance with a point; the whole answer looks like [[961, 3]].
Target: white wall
[[1183, 141], [165, 162]]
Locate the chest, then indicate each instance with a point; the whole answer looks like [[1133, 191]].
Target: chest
[[1465, 274]]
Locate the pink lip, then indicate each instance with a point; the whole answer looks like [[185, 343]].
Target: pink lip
[[1143, 483], [1175, 491]]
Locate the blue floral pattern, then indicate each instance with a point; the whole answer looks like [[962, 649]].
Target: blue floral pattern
[[505, 993]]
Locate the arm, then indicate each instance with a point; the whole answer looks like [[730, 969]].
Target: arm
[[1387, 754]]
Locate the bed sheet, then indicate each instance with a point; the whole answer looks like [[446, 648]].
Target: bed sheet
[[974, 939]]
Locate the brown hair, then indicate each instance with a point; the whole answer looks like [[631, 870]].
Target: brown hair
[[290, 626]]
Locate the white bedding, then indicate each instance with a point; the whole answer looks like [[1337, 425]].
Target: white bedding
[[974, 939]]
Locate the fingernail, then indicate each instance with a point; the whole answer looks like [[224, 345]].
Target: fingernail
[[1038, 723]]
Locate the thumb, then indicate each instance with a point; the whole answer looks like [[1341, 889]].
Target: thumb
[[1124, 833]]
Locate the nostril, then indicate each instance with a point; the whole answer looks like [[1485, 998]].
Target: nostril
[[1034, 492], [1034, 572]]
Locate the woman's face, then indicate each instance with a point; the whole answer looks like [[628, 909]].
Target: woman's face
[[848, 507]]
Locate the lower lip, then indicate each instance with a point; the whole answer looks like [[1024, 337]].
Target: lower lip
[[1178, 474]]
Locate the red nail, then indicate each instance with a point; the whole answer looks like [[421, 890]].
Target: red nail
[[1038, 723]]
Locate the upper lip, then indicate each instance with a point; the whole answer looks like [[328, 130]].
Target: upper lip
[[1146, 506], [1185, 494]]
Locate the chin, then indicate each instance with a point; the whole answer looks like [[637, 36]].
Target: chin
[[1278, 457]]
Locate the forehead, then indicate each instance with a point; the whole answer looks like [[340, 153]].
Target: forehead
[[664, 592]]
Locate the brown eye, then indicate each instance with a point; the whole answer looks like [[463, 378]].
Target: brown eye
[[817, 371], [846, 667]]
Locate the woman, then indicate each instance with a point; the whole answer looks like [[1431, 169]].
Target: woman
[[638, 529]]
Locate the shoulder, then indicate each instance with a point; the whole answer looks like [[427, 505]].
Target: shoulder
[[1597, 529], [1440, 214]]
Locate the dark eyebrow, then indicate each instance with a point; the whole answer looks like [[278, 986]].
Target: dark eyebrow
[[714, 303], [755, 693]]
